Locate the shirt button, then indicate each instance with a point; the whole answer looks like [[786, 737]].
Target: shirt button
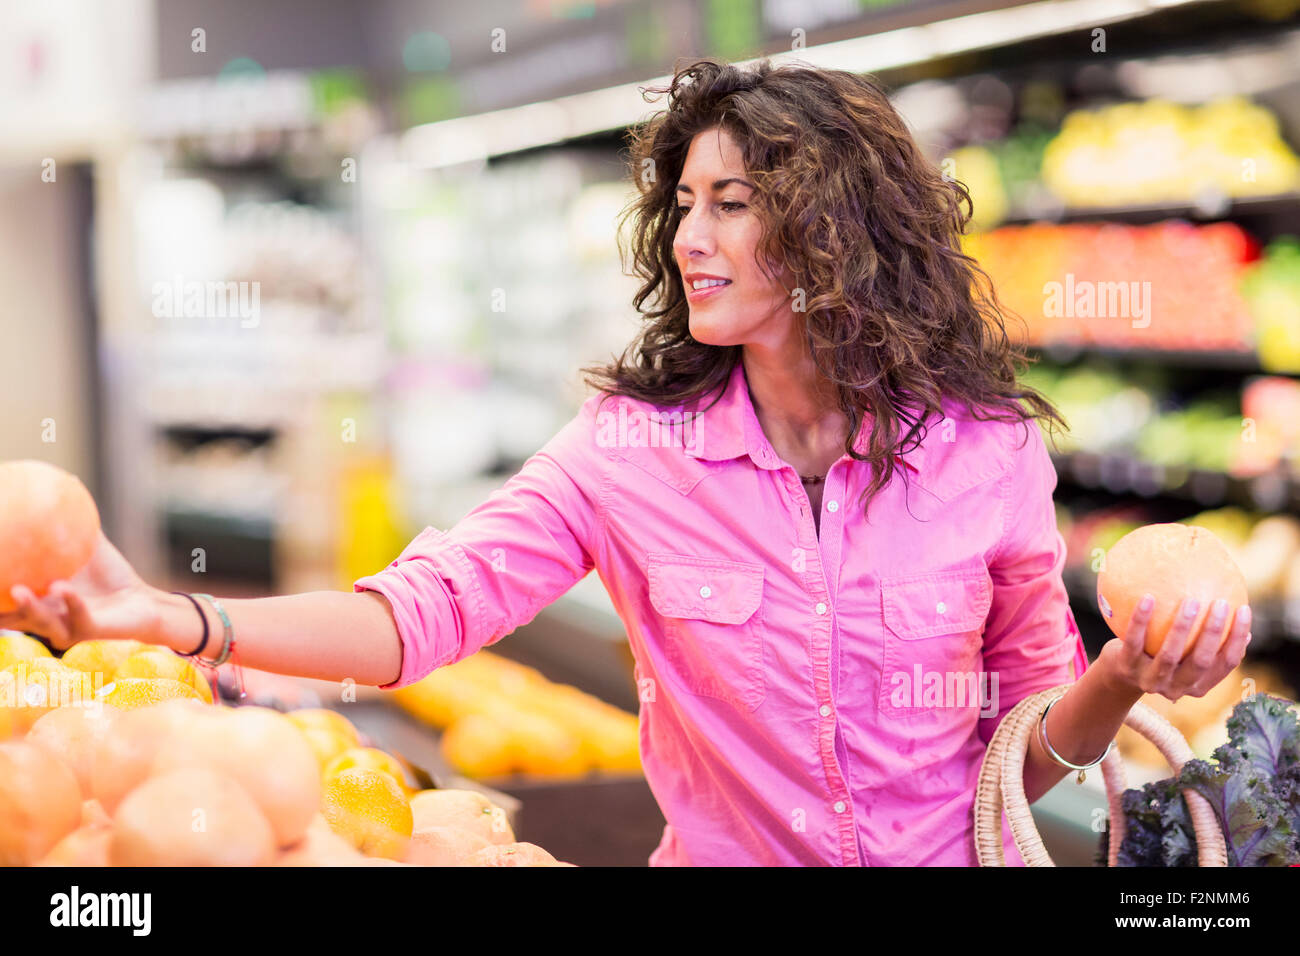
[[821, 608], [941, 608], [825, 711], [706, 591], [839, 806], [832, 506]]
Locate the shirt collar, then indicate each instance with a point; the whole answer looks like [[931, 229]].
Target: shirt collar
[[730, 428]]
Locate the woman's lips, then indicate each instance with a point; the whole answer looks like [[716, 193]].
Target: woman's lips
[[698, 295]]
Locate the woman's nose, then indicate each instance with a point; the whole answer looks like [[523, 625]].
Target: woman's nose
[[693, 235]]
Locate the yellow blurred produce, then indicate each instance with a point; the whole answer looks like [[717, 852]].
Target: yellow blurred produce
[[102, 657], [129, 693], [500, 717], [370, 809], [160, 662], [15, 647], [368, 758], [1161, 151]]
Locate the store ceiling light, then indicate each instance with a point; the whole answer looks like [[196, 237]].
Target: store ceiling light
[[477, 137]]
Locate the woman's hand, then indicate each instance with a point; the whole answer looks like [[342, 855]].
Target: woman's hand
[[1127, 663], [106, 599]]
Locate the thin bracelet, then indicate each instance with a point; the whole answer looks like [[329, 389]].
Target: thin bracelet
[[228, 635], [202, 617], [1042, 739]]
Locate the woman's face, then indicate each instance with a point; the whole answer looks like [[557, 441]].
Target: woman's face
[[718, 235]]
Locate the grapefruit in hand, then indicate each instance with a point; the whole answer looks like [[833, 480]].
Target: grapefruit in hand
[[49, 527], [1170, 562]]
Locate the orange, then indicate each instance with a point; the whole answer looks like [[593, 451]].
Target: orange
[[479, 746], [370, 810], [49, 526], [160, 662], [15, 647], [1171, 562], [102, 657], [130, 693], [368, 758]]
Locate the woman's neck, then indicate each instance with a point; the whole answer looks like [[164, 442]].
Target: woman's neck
[[796, 407]]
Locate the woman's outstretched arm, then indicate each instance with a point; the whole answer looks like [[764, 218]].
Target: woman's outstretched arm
[[331, 635]]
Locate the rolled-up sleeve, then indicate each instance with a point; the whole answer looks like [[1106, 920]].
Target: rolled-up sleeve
[[453, 592], [1031, 639]]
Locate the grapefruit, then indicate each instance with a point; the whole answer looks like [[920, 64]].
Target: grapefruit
[[442, 846], [1170, 562], [190, 817], [40, 802], [511, 854], [465, 810], [262, 751], [49, 527], [72, 734]]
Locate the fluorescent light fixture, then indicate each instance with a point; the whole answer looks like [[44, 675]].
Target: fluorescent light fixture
[[477, 137]]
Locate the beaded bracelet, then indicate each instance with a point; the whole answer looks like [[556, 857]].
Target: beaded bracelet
[[228, 632]]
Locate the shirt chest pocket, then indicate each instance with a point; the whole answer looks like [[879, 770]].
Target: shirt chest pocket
[[934, 629], [712, 618]]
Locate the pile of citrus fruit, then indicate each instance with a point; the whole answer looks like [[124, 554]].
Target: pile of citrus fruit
[[500, 718], [115, 755]]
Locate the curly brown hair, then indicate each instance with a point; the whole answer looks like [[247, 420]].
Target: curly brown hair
[[896, 316]]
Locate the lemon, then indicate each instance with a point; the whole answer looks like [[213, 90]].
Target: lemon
[[370, 810], [15, 647], [326, 719], [102, 657], [160, 662], [368, 758], [130, 693]]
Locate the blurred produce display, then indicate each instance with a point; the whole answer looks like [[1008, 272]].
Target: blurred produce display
[[1202, 720], [105, 753], [1172, 285], [1271, 287], [499, 718], [1160, 151], [1108, 411]]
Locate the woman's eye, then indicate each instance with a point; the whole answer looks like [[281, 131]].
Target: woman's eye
[[732, 206], [683, 210]]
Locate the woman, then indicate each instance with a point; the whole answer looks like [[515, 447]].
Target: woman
[[816, 494]]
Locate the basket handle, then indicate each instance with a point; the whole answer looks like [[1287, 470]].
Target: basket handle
[[1001, 786]]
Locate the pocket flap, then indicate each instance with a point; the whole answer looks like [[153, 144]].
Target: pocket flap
[[724, 592], [943, 602]]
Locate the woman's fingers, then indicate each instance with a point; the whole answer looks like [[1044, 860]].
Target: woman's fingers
[[1135, 637], [1206, 652], [79, 622], [36, 615]]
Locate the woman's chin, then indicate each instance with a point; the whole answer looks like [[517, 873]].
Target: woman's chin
[[710, 333]]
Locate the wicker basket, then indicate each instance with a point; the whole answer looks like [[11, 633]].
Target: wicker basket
[[1002, 786]]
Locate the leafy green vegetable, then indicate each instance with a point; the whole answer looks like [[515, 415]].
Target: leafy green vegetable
[[1252, 782]]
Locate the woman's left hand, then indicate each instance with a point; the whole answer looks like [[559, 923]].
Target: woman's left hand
[[1128, 664]]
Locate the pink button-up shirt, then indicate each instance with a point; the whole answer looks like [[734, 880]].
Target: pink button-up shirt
[[805, 698]]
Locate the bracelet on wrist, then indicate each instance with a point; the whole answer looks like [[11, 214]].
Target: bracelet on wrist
[[202, 617], [228, 631], [1051, 752]]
